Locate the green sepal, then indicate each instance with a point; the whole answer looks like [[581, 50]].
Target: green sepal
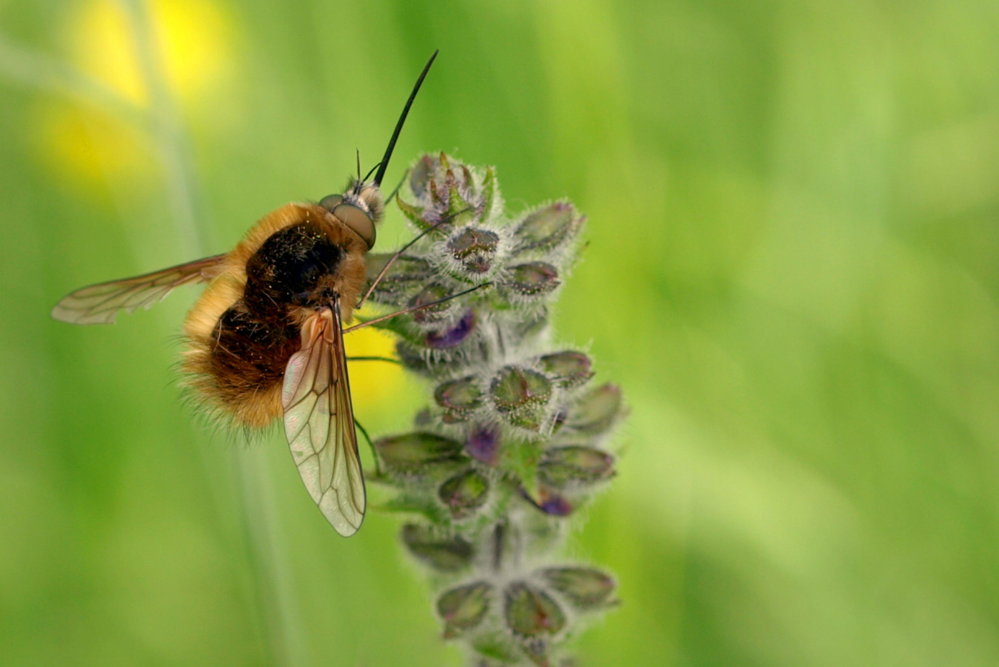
[[521, 396], [531, 279], [586, 588], [421, 505], [464, 607], [575, 464], [496, 645], [489, 190], [547, 228], [568, 368], [530, 612], [464, 493], [442, 552], [519, 460], [412, 453], [413, 212], [596, 411]]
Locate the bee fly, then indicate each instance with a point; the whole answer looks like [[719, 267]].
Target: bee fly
[[266, 337]]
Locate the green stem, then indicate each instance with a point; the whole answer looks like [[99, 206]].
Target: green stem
[[276, 603], [168, 130], [36, 70]]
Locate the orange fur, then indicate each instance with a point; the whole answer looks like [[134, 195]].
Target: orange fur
[[251, 405]]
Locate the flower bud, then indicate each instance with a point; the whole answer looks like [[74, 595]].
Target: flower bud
[[474, 248], [596, 411], [488, 194], [549, 502], [459, 398], [428, 295], [521, 395], [547, 228], [437, 194], [538, 650], [446, 190], [444, 554], [530, 612], [464, 607], [418, 215], [460, 197], [411, 452], [575, 464], [464, 493], [531, 279], [584, 587], [419, 175], [553, 504], [567, 368]]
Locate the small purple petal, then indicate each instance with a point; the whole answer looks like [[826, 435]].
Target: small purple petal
[[455, 335], [483, 444], [556, 506]]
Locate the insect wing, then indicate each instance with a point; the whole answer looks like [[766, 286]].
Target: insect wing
[[319, 422], [100, 303]]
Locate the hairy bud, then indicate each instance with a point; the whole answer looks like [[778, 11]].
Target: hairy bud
[[585, 587], [464, 607]]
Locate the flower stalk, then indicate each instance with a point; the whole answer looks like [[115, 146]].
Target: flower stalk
[[514, 442]]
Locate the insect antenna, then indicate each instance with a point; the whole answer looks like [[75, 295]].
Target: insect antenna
[[383, 165], [398, 253], [370, 171]]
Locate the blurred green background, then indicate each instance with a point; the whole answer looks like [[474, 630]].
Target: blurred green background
[[791, 269]]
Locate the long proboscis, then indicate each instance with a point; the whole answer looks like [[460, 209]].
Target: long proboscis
[[383, 165]]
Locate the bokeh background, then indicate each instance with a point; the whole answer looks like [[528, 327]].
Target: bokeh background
[[791, 269]]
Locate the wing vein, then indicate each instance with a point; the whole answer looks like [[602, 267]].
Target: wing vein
[[319, 418]]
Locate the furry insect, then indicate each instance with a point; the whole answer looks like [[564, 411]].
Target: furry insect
[[266, 337]]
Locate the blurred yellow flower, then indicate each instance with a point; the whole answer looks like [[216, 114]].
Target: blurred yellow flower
[[372, 382], [188, 40]]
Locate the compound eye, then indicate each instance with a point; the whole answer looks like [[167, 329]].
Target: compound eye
[[330, 202], [357, 220]]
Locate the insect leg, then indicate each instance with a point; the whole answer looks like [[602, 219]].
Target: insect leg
[[399, 253], [370, 358], [414, 308], [374, 452]]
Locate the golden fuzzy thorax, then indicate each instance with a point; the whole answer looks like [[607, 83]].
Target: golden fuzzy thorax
[[251, 403]]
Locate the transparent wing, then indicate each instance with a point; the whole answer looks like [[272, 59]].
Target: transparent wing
[[319, 422], [99, 304]]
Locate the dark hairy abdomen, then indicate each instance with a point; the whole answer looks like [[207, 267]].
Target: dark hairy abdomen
[[256, 336]]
